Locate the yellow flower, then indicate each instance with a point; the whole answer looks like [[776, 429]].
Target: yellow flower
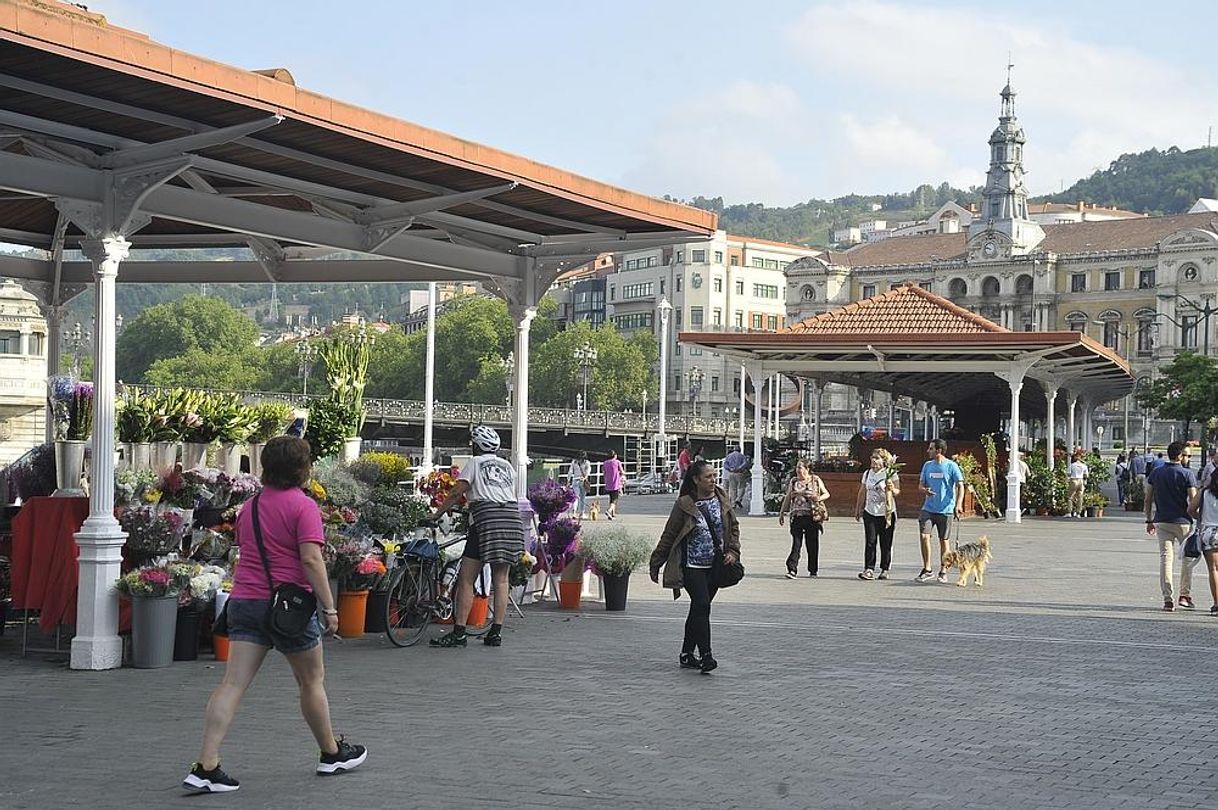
[[391, 548], [152, 496]]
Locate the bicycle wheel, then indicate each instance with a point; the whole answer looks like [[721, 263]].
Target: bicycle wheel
[[408, 609]]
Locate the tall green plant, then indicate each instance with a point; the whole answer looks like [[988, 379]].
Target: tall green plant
[[346, 357]]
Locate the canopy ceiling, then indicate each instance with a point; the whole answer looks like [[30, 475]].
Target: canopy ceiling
[[911, 342], [219, 156]]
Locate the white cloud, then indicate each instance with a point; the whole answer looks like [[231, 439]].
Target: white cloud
[[1082, 103]]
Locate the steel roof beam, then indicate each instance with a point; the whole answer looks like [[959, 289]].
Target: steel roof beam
[[186, 144], [394, 212]]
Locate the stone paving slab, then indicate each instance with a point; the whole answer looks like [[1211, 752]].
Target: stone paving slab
[[1057, 685]]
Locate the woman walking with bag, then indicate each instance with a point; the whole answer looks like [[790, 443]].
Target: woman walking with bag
[[876, 507], [806, 496], [700, 527], [281, 538], [1204, 508]]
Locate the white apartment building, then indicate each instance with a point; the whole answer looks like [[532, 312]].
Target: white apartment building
[[874, 230], [725, 282], [847, 236]]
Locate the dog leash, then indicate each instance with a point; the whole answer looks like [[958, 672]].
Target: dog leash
[[956, 539]]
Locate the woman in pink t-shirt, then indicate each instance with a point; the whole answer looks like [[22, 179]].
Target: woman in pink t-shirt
[[612, 470], [293, 538]]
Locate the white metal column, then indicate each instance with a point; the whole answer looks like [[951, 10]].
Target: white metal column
[[100, 539], [1071, 435], [662, 439], [818, 391], [742, 378], [1014, 511], [429, 383], [523, 316], [756, 496], [1050, 423]]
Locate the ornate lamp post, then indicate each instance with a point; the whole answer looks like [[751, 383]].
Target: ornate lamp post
[[306, 356], [585, 356], [665, 311], [74, 340]]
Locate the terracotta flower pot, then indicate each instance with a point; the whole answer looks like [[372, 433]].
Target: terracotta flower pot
[[478, 612], [568, 594], [219, 645], [352, 613]]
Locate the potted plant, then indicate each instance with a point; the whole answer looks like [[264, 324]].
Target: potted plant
[[233, 422], [353, 600], [33, 475], [346, 357], [72, 410], [133, 423], [560, 539], [614, 555], [150, 534], [201, 584], [270, 419], [174, 412], [199, 429], [154, 613], [329, 426]]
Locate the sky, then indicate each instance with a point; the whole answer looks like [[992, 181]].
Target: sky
[[777, 101]]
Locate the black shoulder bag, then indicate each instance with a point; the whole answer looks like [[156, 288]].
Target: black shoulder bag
[[292, 607], [723, 573]]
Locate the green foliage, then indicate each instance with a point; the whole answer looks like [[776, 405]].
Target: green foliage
[[270, 420], [1044, 490], [616, 382], [203, 368], [342, 489], [1157, 182], [133, 419], [976, 480], [172, 330], [1099, 471], [393, 467], [614, 552], [330, 424], [1186, 389]]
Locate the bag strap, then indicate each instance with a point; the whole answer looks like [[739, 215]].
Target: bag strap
[[710, 525], [266, 565]]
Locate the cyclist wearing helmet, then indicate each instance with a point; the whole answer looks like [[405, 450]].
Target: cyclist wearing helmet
[[496, 535]]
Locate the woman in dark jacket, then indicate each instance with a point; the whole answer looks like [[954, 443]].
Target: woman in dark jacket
[[701, 519]]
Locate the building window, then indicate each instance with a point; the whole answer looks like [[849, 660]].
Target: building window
[[680, 256], [1077, 322], [677, 283], [718, 257], [695, 351], [1078, 282], [736, 385], [735, 261], [678, 312], [1146, 337], [38, 345], [739, 319], [957, 288], [717, 316], [771, 323], [1146, 279], [695, 316], [634, 320], [714, 385], [771, 264], [698, 256], [643, 290], [718, 284], [868, 290], [756, 321], [10, 342], [1188, 331], [612, 292], [1112, 280], [1112, 334], [739, 286], [676, 381], [651, 261], [678, 349], [662, 286], [765, 290], [758, 262]]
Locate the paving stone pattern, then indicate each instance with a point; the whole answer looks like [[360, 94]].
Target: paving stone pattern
[[1059, 684]]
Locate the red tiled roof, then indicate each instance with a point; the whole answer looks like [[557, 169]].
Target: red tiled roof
[[906, 310]]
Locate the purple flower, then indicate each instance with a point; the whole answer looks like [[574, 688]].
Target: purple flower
[[84, 390], [61, 388]]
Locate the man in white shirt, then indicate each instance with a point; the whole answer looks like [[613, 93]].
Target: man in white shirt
[[1077, 482]]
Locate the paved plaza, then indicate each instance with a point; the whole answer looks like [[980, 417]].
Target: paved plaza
[[1060, 684]]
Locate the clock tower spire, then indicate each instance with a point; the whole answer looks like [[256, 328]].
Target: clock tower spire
[[1003, 227]]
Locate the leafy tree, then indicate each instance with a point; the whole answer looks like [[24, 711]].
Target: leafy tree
[[174, 329], [1186, 389], [198, 368], [490, 384], [616, 382]]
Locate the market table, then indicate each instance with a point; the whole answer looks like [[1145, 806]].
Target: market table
[[44, 566]]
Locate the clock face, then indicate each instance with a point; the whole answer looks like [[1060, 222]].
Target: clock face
[[696, 280], [989, 249]]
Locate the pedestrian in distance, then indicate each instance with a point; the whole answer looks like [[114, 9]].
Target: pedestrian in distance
[[579, 473], [684, 459], [942, 482], [496, 533], [1204, 509], [1203, 478], [805, 499], [1170, 489], [736, 465], [875, 505], [1137, 471], [1120, 471], [701, 521], [1076, 484], [612, 472], [283, 527]]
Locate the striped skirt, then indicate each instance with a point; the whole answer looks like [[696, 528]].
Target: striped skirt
[[498, 528]]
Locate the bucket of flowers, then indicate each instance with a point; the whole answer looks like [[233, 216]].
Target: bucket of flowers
[[154, 594], [353, 601], [150, 534], [614, 554], [202, 583]]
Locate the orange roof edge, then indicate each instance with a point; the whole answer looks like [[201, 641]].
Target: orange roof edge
[[67, 30]]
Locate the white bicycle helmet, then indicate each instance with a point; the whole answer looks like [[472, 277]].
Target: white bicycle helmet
[[485, 439]]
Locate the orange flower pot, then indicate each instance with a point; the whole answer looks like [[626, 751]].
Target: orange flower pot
[[568, 594], [352, 613], [219, 645], [478, 611]]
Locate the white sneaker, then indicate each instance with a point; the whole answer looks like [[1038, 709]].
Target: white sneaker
[[925, 576], [942, 576]]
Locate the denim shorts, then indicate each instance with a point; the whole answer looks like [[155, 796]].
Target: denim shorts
[[247, 622], [935, 520]]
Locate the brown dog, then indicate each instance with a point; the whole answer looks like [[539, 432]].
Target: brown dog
[[970, 558]]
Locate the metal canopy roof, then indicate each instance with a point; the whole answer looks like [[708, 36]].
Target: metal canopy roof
[[189, 153], [958, 362]]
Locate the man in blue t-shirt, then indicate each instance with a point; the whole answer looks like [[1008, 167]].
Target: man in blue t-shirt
[[942, 482], [1169, 489]]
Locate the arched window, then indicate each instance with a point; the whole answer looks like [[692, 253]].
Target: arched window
[[957, 288], [1077, 321], [989, 286], [1145, 336], [1023, 284], [1111, 337]]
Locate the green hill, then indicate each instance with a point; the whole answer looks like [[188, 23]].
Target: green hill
[[1153, 182]]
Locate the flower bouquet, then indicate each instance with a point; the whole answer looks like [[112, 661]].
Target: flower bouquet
[[614, 552], [134, 487], [202, 582], [80, 412], [560, 544], [522, 570], [438, 484], [153, 582], [184, 489], [149, 534], [367, 571], [61, 388], [549, 500]]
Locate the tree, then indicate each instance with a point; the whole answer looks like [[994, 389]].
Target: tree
[[197, 368], [173, 329], [1187, 389], [617, 380]]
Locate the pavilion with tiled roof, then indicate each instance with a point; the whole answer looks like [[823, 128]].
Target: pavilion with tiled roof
[[911, 341]]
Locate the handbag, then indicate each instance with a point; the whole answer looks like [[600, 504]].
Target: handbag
[[292, 607], [723, 573], [820, 512], [1192, 544]]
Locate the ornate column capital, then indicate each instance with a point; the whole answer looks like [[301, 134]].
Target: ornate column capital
[[106, 253]]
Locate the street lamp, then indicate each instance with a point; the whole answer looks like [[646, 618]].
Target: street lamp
[[74, 340], [665, 311], [1099, 432], [695, 386], [306, 356], [586, 357]]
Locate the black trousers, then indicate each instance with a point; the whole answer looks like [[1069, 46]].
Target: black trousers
[[875, 531], [804, 531], [697, 625]]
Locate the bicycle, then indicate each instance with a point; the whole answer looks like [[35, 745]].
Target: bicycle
[[421, 589]]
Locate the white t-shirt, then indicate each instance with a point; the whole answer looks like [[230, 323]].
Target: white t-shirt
[[1077, 470], [579, 470], [877, 497], [490, 478]]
